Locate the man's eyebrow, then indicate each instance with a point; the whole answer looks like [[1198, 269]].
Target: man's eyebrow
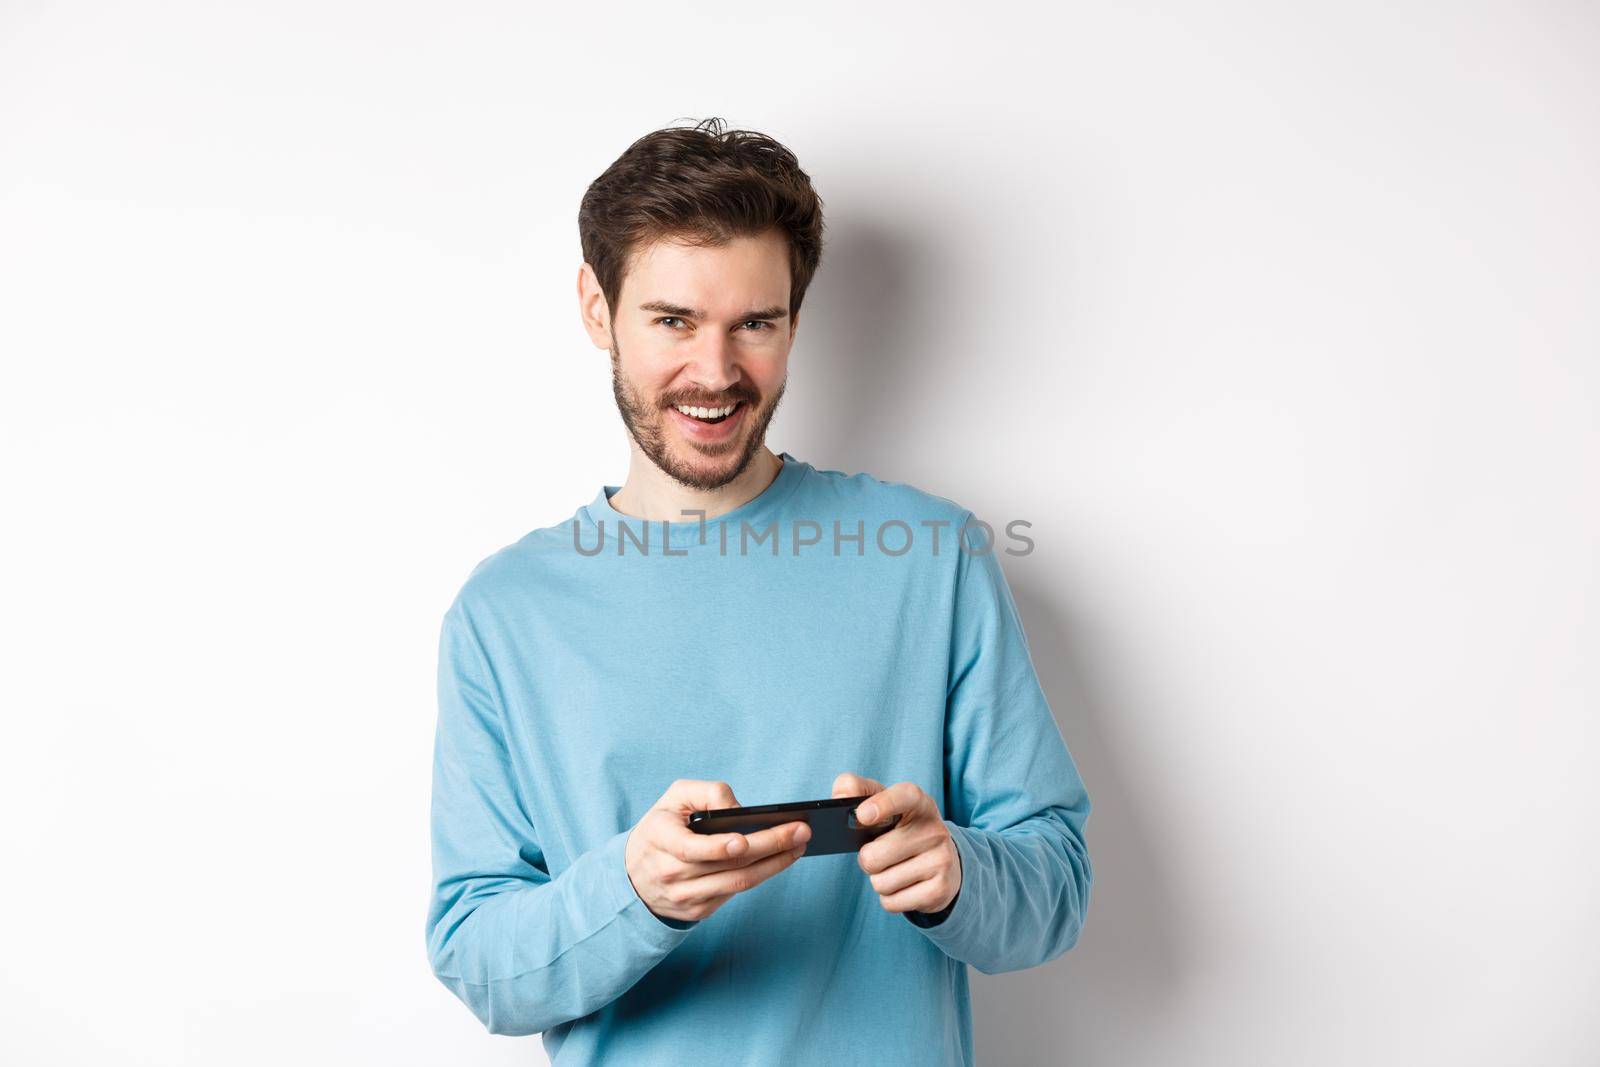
[[774, 312]]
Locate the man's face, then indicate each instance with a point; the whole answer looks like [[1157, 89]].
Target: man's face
[[705, 329]]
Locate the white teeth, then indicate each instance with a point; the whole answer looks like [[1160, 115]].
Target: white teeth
[[706, 413]]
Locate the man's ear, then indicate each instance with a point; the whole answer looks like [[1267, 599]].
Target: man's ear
[[592, 308]]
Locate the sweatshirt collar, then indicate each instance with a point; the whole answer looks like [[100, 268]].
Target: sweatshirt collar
[[757, 511]]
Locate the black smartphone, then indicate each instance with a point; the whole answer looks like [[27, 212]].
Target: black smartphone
[[833, 823]]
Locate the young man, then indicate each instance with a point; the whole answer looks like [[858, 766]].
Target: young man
[[734, 618]]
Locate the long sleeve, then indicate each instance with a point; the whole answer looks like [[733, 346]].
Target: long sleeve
[[524, 951], [1015, 805]]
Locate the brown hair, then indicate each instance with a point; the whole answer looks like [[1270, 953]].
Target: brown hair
[[705, 185]]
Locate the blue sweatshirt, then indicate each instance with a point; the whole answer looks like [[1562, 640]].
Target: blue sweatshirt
[[832, 623]]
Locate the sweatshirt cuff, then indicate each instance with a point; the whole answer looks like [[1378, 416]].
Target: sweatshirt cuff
[[650, 929], [952, 933]]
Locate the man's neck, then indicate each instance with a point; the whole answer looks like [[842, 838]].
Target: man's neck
[[649, 493]]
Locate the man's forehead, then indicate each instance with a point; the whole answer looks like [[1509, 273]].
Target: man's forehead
[[676, 253], [675, 277]]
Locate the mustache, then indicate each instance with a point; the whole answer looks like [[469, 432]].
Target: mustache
[[748, 396]]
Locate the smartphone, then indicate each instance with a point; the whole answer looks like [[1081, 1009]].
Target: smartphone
[[833, 823]]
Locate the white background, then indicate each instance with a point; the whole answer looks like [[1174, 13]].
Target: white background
[[1279, 325]]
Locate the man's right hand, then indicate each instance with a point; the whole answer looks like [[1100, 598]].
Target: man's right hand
[[680, 874]]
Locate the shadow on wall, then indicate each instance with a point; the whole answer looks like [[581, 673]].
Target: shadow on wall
[[1100, 1001], [860, 375]]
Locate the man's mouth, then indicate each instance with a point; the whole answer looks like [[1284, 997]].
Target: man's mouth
[[709, 427], [710, 416]]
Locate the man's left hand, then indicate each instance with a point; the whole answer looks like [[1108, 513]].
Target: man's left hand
[[915, 866]]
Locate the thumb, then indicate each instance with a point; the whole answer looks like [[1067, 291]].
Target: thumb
[[854, 785], [691, 794]]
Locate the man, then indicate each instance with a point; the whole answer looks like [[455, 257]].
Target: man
[[730, 617]]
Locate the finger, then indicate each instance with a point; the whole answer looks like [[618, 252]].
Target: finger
[[906, 840], [923, 896], [918, 868], [854, 785], [714, 852], [902, 798], [739, 879], [775, 839], [691, 847]]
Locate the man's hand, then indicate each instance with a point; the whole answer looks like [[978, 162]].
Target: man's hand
[[915, 866], [680, 874]]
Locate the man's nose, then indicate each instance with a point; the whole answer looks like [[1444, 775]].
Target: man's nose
[[714, 363]]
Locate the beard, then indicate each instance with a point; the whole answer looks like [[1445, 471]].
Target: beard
[[722, 462]]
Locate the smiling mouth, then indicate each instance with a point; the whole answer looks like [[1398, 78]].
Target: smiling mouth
[[708, 415]]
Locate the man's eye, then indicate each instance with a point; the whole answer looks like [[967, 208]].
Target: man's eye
[[760, 324]]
